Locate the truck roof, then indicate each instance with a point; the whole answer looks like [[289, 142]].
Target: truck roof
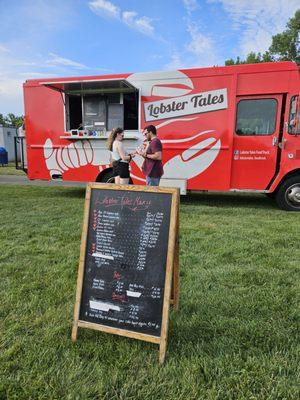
[[192, 72]]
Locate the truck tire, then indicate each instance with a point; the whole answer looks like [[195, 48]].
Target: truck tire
[[107, 177], [288, 194]]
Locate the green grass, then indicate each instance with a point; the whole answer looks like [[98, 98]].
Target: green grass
[[10, 169], [236, 335]]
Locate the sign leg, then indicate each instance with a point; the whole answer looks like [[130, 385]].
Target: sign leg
[[172, 292], [176, 279], [74, 332], [162, 351], [175, 287], [166, 309]]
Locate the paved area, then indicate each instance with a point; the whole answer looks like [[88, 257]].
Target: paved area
[[23, 180]]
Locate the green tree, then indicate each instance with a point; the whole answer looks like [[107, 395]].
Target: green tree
[[285, 46], [232, 62], [2, 120], [252, 58], [11, 120]]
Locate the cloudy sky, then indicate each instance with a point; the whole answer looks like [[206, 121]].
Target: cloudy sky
[[51, 38]]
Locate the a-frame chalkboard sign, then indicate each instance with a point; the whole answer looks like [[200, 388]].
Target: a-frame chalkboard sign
[[129, 262]]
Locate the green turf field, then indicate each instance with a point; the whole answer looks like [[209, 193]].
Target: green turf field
[[236, 335]]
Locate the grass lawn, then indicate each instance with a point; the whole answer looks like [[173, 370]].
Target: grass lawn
[[236, 335], [10, 169]]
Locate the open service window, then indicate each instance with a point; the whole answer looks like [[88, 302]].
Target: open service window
[[99, 106]]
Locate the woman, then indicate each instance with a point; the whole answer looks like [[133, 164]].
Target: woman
[[119, 156]]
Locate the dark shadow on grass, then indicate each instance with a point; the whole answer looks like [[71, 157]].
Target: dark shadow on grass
[[210, 199], [229, 200], [223, 200], [74, 193]]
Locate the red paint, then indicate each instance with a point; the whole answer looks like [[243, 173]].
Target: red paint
[[270, 163]]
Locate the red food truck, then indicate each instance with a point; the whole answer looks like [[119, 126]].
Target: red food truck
[[233, 128]]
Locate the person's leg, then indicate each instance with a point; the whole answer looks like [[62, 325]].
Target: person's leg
[[124, 173], [124, 181], [116, 172]]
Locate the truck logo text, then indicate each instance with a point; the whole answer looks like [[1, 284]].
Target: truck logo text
[[186, 105]]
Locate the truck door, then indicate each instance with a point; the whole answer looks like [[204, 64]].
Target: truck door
[[255, 141]]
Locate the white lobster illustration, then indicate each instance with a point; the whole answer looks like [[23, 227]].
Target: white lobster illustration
[[74, 155], [186, 165]]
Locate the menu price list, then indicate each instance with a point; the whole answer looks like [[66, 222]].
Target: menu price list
[[125, 263]]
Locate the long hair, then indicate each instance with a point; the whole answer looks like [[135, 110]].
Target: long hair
[[112, 137]]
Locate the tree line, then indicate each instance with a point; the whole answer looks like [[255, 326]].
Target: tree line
[[11, 120], [285, 47]]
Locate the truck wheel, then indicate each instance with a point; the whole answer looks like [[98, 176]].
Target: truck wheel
[[288, 195], [107, 177]]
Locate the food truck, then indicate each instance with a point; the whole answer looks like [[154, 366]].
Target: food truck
[[232, 128]]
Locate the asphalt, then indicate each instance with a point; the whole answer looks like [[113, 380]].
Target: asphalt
[[23, 180]]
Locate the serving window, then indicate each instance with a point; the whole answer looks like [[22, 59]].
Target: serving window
[[99, 106], [101, 112]]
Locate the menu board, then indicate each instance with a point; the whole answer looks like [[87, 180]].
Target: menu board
[[124, 281]]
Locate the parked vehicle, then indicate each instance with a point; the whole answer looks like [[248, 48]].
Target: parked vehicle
[[232, 128]]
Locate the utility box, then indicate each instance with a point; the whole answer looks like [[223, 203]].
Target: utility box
[[3, 156], [7, 141]]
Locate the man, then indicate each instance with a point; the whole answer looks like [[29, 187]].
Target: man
[[152, 166]]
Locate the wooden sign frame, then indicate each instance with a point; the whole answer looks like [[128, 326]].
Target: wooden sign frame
[[171, 292]]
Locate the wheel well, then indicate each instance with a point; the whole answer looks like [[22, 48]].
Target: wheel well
[[106, 171], [288, 175], [102, 173]]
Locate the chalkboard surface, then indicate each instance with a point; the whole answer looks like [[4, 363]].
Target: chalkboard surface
[[125, 260]]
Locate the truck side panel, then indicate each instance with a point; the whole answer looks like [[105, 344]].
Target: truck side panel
[[197, 147], [195, 112], [45, 126]]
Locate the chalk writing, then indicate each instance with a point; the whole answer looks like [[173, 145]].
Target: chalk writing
[[126, 260]]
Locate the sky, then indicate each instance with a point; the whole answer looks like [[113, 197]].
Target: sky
[[59, 38]]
